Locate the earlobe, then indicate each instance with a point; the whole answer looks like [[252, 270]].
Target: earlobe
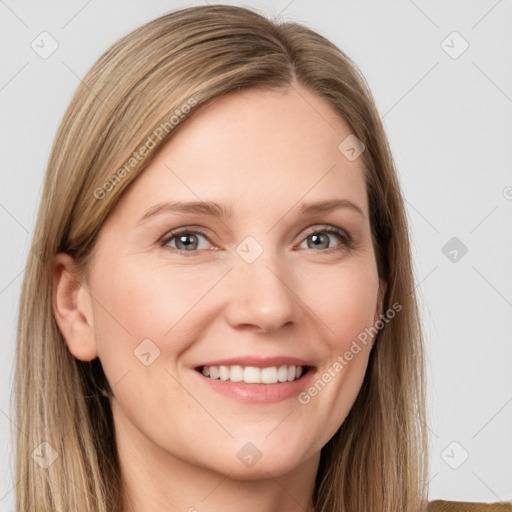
[[72, 308]]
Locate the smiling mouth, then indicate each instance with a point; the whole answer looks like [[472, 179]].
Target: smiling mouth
[[253, 374]]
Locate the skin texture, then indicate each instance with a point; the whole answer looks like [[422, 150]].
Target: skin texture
[[262, 154]]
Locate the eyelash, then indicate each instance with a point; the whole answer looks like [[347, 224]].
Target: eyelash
[[343, 235]]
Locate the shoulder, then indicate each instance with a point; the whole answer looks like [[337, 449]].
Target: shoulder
[[463, 506]]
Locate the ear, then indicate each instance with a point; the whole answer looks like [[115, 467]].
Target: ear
[[380, 299], [383, 285], [72, 308], [380, 305]]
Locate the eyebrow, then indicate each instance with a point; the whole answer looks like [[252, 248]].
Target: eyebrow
[[214, 209]]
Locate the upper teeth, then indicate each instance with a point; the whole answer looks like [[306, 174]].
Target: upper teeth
[[252, 374]]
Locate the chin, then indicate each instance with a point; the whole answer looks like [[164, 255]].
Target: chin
[[253, 462]]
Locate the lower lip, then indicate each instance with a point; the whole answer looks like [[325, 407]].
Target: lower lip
[[258, 393]]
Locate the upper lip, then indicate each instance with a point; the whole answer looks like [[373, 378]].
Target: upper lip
[[258, 362]]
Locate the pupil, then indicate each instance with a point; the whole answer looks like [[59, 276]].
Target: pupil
[[185, 240], [317, 238]]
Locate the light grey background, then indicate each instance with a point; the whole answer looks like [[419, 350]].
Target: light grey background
[[449, 122]]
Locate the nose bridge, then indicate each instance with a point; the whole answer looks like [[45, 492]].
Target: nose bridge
[[261, 289]]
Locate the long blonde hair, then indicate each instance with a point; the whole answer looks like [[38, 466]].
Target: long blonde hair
[[144, 87]]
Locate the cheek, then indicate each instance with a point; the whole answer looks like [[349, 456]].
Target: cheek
[[135, 304], [347, 306], [349, 310], [346, 301], [146, 302]]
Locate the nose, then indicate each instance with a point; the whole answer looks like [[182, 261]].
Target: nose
[[261, 296]]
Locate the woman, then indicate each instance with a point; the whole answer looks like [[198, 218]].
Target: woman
[[219, 309]]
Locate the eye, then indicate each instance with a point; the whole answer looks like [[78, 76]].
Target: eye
[[320, 239], [186, 241]]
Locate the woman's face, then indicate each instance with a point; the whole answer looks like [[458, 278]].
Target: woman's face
[[268, 285]]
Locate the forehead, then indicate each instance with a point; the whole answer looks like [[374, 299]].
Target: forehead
[[291, 119], [258, 147]]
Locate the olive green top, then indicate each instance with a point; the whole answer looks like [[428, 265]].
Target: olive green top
[[463, 506]]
